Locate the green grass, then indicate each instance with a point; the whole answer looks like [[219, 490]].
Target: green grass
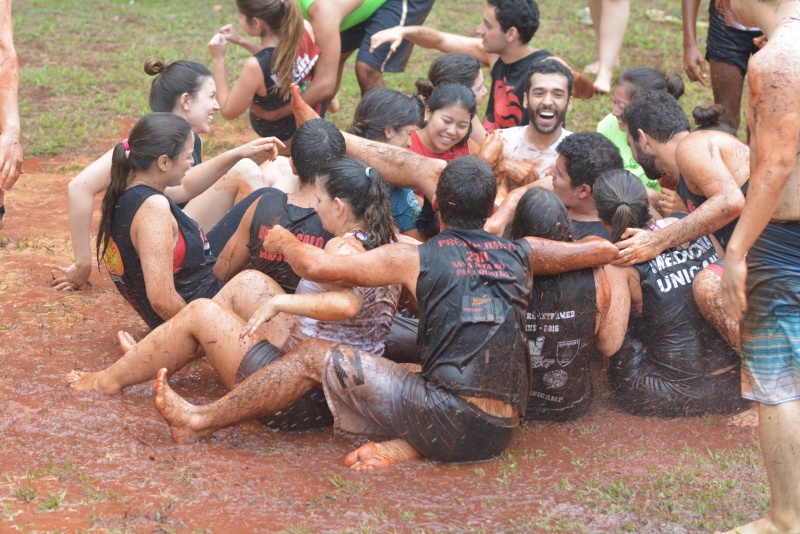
[[82, 79]]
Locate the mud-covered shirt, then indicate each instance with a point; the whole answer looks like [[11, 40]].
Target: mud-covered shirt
[[693, 201], [507, 93], [193, 261], [304, 223], [473, 291]]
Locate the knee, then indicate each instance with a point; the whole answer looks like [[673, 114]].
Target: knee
[[707, 284], [368, 77], [246, 169]]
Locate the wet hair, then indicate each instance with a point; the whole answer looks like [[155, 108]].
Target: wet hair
[[153, 136], [314, 144], [587, 155], [649, 79], [540, 213], [352, 181], [657, 114], [621, 202], [550, 66], [708, 119], [172, 80], [466, 191], [520, 14], [454, 94], [381, 108], [285, 19]]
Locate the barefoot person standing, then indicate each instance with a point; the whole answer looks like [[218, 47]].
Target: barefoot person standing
[[10, 147], [765, 290]]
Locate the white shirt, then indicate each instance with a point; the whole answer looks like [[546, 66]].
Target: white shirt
[[515, 147]]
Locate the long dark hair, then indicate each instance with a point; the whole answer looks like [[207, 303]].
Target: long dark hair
[[621, 202], [362, 187], [172, 80], [540, 213], [154, 135], [454, 94], [381, 108]]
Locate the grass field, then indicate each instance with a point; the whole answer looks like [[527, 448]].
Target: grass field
[[82, 60]]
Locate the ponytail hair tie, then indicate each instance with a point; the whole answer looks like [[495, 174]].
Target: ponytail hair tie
[[367, 171], [126, 145]]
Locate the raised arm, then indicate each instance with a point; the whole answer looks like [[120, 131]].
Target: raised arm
[[10, 144], [496, 224], [427, 37], [556, 257], [234, 102], [232, 36], [693, 61]]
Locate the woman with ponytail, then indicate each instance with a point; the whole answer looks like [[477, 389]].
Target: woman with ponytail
[[352, 204], [672, 362], [209, 191], [286, 54]]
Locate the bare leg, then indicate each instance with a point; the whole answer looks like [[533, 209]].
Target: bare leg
[[368, 78], [727, 83], [610, 34], [780, 444], [267, 391], [376, 455], [748, 418], [707, 288], [211, 205], [203, 323]]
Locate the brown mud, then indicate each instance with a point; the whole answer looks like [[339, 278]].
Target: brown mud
[[73, 461]]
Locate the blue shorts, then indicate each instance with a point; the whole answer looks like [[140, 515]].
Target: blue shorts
[[392, 13], [726, 44], [405, 208], [770, 332]]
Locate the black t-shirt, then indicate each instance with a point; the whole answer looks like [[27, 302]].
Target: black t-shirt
[[560, 326], [197, 151], [507, 92], [193, 261], [692, 201], [581, 229], [304, 223], [473, 291]]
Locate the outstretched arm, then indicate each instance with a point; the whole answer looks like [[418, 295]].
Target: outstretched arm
[[10, 144], [556, 257], [432, 38]]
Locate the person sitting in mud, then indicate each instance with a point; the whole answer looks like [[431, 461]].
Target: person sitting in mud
[[186, 89], [673, 363], [571, 317], [472, 289], [159, 257], [711, 170], [352, 204], [314, 144]]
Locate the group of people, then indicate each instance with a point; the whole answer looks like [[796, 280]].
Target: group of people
[[436, 278]]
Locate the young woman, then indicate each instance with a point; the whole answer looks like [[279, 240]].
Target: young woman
[[185, 89], [454, 68], [673, 362], [286, 54], [388, 116], [630, 83], [353, 206]]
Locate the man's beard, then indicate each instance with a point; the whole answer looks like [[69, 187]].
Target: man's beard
[[647, 162], [560, 120]]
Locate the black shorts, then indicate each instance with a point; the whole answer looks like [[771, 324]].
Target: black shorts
[[307, 413], [726, 44], [392, 13]]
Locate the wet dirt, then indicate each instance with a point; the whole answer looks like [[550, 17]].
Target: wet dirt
[[74, 461]]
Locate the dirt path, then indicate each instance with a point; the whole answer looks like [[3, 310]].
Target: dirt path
[[74, 461]]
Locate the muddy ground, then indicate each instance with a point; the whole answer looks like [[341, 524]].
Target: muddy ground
[[79, 461]]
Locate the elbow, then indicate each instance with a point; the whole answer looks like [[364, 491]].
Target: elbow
[[228, 115], [350, 309]]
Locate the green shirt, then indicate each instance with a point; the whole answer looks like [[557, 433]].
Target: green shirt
[[609, 127], [357, 16]]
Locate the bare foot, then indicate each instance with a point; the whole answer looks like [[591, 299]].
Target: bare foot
[[302, 111], [83, 380], [747, 419], [126, 341], [176, 411], [376, 455]]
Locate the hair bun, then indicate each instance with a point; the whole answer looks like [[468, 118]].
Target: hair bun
[[154, 65], [424, 87], [705, 117]]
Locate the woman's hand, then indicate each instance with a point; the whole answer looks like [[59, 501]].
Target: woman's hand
[[670, 202], [262, 149], [217, 46], [230, 34], [72, 278], [261, 316], [275, 238]]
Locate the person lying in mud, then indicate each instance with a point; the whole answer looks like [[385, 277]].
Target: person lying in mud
[[314, 144], [185, 89], [472, 289], [352, 205], [571, 319], [672, 363], [158, 257]]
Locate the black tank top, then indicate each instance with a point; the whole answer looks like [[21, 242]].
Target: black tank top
[[680, 343], [194, 277], [507, 92], [581, 229], [692, 201], [304, 223], [473, 291], [197, 151], [560, 327]]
